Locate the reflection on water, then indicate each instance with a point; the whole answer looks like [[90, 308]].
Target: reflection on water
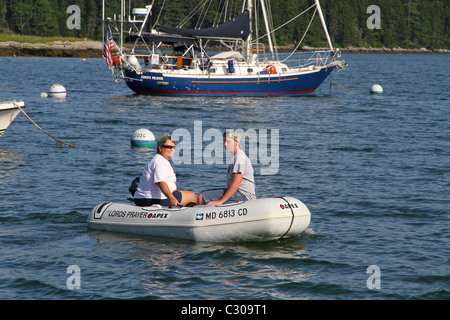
[[10, 167], [10, 163], [167, 266]]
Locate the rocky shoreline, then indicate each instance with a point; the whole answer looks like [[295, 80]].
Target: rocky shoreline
[[380, 50], [93, 49], [79, 49]]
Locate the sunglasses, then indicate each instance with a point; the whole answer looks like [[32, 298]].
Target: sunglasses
[[169, 147]]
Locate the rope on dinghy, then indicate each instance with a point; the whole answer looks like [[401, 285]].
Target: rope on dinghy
[[292, 220]]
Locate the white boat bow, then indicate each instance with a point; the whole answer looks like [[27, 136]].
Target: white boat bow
[[8, 112]]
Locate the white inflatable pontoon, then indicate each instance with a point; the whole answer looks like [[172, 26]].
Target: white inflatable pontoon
[[255, 220]]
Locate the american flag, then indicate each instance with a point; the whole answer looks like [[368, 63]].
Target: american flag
[[108, 44]]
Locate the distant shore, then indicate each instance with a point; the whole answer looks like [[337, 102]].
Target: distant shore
[[93, 49], [79, 49], [381, 50]]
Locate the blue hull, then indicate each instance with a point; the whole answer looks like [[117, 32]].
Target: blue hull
[[157, 83]]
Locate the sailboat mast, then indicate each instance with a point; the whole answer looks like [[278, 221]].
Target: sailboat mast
[[122, 17], [103, 21], [319, 9], [249, 38], [266, 22]]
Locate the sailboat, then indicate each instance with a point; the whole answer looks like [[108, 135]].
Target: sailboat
[[8, 112], [173, 60]]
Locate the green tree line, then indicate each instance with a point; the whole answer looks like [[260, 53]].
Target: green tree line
[[403, 23]]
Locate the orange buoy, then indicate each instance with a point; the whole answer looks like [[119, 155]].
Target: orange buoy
[[271, 69], [117, 60]]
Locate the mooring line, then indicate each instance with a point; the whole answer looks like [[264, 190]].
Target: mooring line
[[60, 142], [341, 86]]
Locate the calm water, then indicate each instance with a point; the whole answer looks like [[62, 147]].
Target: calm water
[[373, 170]]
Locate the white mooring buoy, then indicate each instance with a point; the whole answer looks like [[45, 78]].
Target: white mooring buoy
[[376, 89], [143, 138], [57, 91]]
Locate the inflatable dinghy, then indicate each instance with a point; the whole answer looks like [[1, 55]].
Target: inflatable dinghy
[[253, 220]]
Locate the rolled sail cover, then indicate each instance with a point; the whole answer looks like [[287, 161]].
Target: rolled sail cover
[[239, 28]]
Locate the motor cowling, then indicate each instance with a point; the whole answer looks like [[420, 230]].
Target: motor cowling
[[133, 186]]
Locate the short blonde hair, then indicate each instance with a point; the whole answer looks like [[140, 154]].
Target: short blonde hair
[[233, 134]]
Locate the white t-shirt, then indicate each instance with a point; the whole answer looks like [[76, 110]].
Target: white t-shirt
[[159, 169]]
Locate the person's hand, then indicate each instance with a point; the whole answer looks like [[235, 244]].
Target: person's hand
[[215, 203], [174, 202]]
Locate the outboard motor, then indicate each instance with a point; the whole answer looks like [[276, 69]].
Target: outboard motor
[[134, 185]]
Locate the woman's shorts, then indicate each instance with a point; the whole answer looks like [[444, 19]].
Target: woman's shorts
[[163, 202], [216, 194]]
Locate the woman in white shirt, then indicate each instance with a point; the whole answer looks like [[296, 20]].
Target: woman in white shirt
[[157, 184]]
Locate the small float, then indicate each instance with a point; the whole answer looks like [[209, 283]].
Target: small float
[[254, 220]]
